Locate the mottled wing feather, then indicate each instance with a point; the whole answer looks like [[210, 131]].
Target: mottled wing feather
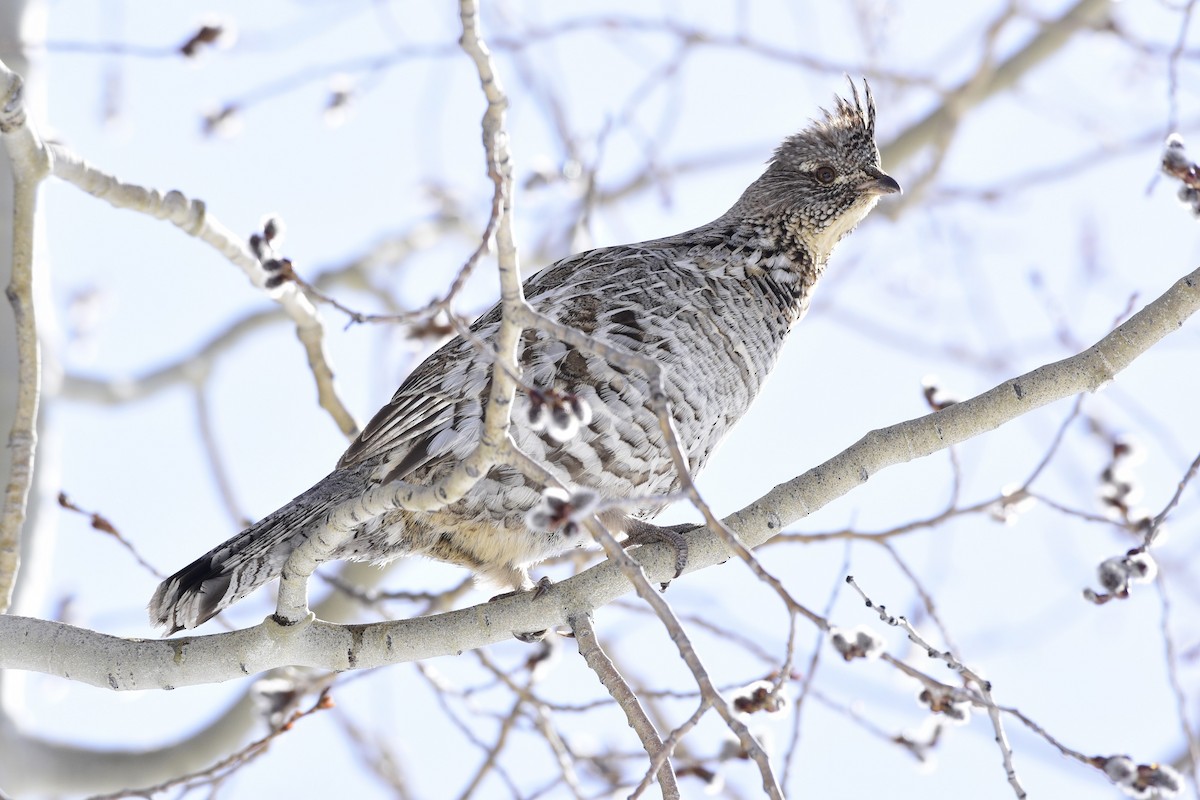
[[427, 406], [406, 427]]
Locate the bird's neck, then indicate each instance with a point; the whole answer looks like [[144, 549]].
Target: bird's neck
[[784, 237], [766, 251]]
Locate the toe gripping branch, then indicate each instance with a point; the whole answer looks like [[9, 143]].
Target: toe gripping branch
[[640, 533]]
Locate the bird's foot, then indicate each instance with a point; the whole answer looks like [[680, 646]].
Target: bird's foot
[[640, 532], [541, 587], [534, 592]]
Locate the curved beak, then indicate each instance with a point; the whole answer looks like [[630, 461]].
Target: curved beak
[[882, 184]]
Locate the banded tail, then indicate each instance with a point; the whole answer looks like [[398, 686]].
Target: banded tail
[[238, 566]]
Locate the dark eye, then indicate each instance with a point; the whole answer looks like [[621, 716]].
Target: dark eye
[[826, 174]]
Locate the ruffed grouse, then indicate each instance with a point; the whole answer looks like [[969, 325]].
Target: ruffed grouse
[[713, 306]]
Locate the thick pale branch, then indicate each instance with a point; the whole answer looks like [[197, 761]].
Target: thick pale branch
[[1085, 372], [31, 164], [57, 649], [33, 765]]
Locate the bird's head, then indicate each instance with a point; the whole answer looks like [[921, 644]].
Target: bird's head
[[823, 180]]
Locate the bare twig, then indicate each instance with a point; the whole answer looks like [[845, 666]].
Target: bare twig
[[199, 361], [292, 606], [1160, 517], [220, 770], [376, 755], [185, 370], [633, 571], [1173, 67], [670, 743], [493, 752], [810, 675], [192, 217], [442, 693], [984, 687], [1171, 656], [101, 523], [606, 671], [978, 88], [539, 712], [216, 465]]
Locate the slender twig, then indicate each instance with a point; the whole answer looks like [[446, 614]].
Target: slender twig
[[926, 599], [744, 642], [101, 523], [192, 217], [669, 745], [214, 774], [1173, 67], [809, 678], [376, 754], [633, 572], [606, 671], [292, 605], [216, 464], [562, 754], [199, 361], [1044, 734], [1156, 523], [1076, 407], [983, 686], [442, 693], [374, 64], [539, 711], [883, 535], [1171, 656], [393, 249], [493, 752]]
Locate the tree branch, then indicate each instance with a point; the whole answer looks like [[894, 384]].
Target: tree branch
[[192, 217], [31, 164], [602, 665], [990, 81], [292, 608], [108, 661]]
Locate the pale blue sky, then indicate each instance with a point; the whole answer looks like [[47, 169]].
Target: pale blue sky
[[945, 289]]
